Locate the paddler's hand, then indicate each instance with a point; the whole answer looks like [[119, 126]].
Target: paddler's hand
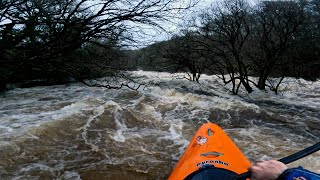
[[267, 170]]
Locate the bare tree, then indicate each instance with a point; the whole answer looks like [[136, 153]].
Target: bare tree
[[185, 54], [276, 24], [226, 28]]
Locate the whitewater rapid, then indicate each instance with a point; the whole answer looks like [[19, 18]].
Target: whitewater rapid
[[77, 132]]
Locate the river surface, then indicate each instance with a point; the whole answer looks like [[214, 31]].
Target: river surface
[[77, 132]]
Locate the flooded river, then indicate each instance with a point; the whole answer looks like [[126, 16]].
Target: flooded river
[[77, 132]]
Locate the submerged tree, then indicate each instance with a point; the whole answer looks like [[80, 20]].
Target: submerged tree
[[225, 29], [276, 25]]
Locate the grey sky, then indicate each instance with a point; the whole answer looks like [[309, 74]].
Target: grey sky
[[154, 35]]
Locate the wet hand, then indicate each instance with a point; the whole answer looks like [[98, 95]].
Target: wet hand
[[267, 170]]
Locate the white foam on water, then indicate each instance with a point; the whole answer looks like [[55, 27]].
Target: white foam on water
[[31, 136], [70, 110], [121, 126], [251, 132], [67, 175], [36, 166], [293, 92], [119, 137], [97, 111], [143, 171], [18, 123], [146, 151], [175, 135], [169, 91], [175, 132], [4, 129]]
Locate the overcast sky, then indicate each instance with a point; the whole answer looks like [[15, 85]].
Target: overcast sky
[[154, 35]]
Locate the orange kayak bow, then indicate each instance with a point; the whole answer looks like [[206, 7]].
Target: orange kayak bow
[[212, 149]]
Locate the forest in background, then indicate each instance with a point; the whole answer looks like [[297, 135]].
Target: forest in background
[[44, 42]]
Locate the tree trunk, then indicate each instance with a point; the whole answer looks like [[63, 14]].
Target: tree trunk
[[262, 82], [246, 86]]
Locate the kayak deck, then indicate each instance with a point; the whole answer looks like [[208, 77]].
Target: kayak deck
[[210, 147]]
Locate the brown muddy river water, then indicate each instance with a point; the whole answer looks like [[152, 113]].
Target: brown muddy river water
[[77, 132]]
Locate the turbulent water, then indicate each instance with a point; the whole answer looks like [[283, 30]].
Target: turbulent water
[[77, 132]]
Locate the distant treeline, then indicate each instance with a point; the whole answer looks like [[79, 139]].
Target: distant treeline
[[237, 41], [58, 41]]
